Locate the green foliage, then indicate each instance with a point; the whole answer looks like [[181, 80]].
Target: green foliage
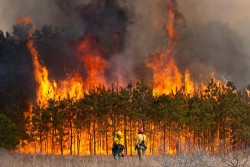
[[217, 113], [9, 133]]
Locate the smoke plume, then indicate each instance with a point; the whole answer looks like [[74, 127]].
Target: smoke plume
[[210, 41]]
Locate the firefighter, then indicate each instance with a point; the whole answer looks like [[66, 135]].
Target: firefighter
[[118, 146], [140, 143]]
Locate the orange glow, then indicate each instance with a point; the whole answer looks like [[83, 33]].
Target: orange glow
[[72, 87], [189, 85], [218, 82], [248, 92], [93, 61], [167, 76], [45, 89], [25, 20], [167, 79], [170, 26]]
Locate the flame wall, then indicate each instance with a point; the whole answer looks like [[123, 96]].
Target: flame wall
[[105, 41]]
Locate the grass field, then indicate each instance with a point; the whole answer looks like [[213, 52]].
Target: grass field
[[201, 159]]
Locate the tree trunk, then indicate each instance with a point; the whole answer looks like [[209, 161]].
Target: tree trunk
[[94, 136], [125, 133], [178, 145], [233, 138], [90, 139], [52, 141], [41, 142], [164, 137], [106, 136], [61, 143], [130, 136], [78, 141], [71, 137]]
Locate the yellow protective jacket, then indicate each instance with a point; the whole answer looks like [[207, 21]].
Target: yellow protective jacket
[[139, 138], [117, 141]]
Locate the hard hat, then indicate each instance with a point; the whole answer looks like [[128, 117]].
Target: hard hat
[[119, 133], [140, 129]]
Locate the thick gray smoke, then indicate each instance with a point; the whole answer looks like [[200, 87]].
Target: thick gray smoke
[[104, 20], [214, 39], [146, 33]]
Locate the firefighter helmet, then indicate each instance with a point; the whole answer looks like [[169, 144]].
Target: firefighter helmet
[[140, 129], [119, 133]]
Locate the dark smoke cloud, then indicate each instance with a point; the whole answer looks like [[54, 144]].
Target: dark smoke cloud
[[216, 48], [141, 29], [56, 46], [66, 5], [216, 39], [145, 33], [210, 42], [105, 20]]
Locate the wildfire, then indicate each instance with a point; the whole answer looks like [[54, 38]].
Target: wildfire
[[89, 53], [47, 89], [167, 77], [72, 87], [189, 85], [248, 93]]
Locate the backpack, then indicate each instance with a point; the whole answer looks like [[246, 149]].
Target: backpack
[[142, 144], [117, 148]]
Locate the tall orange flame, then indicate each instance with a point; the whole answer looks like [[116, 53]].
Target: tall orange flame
[[248, 92], [46, 89], [167, 77], [89, 53]]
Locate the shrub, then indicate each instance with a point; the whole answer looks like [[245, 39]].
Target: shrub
[[9, 133]]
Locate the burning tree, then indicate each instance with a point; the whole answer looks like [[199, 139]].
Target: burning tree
[[73, 105]]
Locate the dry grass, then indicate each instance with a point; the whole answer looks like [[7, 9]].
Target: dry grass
[[200, 159]]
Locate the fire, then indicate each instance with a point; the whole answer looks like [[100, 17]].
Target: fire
[[47, 89], [72, 87], [25, 20], [89, 53], [167, 76], [189, 85], [248, 92], [167, 79]]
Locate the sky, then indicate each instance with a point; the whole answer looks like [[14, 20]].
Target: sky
[[145, 15], [195, 11]]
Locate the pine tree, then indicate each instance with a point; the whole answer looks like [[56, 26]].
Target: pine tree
[[9, 133]]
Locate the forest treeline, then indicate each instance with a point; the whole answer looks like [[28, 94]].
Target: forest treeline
[[216, 120]]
